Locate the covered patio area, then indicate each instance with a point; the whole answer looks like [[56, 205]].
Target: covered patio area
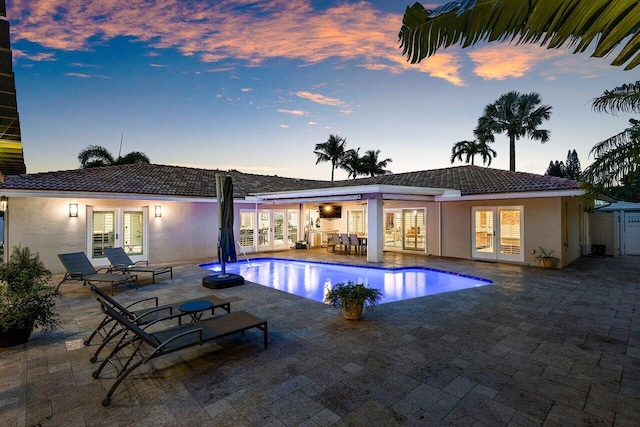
[[538, 346]]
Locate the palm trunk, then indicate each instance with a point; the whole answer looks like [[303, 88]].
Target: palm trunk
[[512, 153]]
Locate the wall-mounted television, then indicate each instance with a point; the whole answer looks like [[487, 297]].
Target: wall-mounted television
[[330, 211]]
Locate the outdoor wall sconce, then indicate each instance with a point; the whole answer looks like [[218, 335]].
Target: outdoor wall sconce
[[3, 203], [73, 210], [158, 211]]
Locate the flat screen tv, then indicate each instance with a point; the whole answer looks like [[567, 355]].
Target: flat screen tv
[[330, 211]]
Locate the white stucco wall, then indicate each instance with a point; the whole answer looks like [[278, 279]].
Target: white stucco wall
[[186, 230]]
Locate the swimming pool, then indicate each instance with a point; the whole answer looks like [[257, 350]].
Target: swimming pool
[[309, 279]]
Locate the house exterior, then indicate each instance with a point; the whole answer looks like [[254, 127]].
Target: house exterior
[[165, 213], [616, 228]]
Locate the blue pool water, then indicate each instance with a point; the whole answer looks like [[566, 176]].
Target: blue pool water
[[310, 279]]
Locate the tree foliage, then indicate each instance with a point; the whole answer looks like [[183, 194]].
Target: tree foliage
[[96, 156], [518, 115], [332, 151], [469, 149], [601, 25], [372, 165]]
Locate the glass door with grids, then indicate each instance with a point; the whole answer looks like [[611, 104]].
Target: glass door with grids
[[117, 227], [497, 233]]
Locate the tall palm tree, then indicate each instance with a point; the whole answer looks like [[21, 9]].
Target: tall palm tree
[[331, 151], [95, 155], [603, 24], [517, 115], [372, 166], [616, 159], [352, 163], [469, 149]]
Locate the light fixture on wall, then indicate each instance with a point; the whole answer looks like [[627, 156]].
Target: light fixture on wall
[[3, 203], [73, 210], [158, 211]]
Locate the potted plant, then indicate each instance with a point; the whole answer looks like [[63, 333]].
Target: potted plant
[[545, 258], [352, 298], [26, 299]]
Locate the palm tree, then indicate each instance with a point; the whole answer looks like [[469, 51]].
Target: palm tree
[[95, 155], [617, 159], [331, 151], [604, 24], [352, 163], [469, 149], [517, 115], [372, 166]]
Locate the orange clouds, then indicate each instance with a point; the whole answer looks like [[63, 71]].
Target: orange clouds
[[501, 60], [229, 29]]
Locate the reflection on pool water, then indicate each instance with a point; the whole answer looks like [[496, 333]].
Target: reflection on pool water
[[310, 279]]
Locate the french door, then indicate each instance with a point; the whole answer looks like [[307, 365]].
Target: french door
[[117, 227], [272, 229], [497, 233]]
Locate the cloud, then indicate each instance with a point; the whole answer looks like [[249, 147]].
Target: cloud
[[246, 89], [86, 76], [285, 126], [500, 61], [249, 31], [37, 57], [320, 99], [293, 112]]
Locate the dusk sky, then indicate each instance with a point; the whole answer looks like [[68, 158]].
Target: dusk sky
[[254, 85]]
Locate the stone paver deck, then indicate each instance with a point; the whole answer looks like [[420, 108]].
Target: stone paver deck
[[553, 347]]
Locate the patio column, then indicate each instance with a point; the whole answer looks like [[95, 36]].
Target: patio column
[[375, 231]]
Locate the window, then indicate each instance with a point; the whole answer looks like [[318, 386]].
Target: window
[[393, 229], [102, 232], [292, 225], [247, 223], [414, 229], [133, 229], [356, 222]]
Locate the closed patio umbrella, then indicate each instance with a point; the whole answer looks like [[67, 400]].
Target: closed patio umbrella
[[226, 241]]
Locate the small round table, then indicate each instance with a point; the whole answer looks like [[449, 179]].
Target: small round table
[[195, 309]]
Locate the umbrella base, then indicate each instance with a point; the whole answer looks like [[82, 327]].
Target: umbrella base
[[221, 281]]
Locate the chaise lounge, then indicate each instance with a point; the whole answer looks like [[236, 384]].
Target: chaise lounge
[[79, 268], [108, 328], [146, 345], [121, 262]]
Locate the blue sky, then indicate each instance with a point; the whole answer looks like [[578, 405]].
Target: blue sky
[[254, 85]]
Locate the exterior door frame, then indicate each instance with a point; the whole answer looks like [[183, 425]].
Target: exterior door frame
[[119, 232], [490, 234]]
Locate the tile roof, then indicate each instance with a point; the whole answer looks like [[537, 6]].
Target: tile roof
[[153, 179], [474, 180], [180, 181]]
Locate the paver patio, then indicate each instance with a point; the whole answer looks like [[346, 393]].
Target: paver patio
[[554, 347]]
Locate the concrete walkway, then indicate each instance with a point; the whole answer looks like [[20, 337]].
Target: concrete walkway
[[553, 347]]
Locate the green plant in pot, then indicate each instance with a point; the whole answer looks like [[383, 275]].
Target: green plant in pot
[[353, 298], [27, 301], [545, 258]]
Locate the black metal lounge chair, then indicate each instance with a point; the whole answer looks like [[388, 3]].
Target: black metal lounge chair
[[79, 268], [121, 262], [108, 328], [146, 345]]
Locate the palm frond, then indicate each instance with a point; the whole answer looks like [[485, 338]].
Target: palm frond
[[624, 99], [604, 24]]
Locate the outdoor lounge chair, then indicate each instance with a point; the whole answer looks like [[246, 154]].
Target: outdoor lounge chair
[[108, 328], [79, 268], [121, 262], [146, 345]]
